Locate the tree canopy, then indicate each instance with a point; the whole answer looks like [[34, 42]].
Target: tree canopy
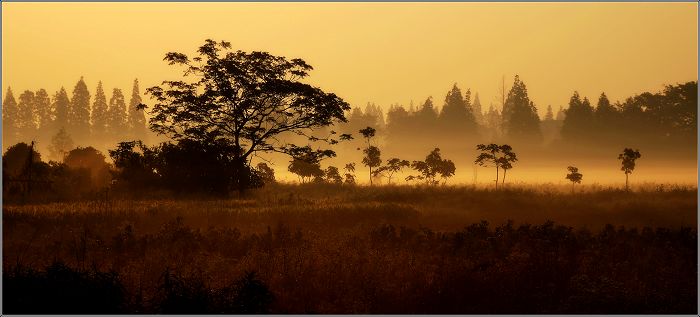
[[246, 99]]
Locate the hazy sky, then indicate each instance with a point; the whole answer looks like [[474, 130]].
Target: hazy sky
[[383, 53]]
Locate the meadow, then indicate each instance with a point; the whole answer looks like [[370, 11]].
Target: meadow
[[320, 248]]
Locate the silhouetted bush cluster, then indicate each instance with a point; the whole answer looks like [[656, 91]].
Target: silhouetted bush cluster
[[60, 289], [184, 167], [83, 173]]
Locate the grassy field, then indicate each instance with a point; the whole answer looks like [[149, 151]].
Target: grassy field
[[336, 249]]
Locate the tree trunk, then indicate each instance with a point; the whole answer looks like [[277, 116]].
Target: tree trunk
[[572, 187], [370, 176], [627, 182], [504, 178], [496, 176]]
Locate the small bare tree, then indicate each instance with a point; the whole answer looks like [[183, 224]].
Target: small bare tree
[[628, 158], [392, 167]]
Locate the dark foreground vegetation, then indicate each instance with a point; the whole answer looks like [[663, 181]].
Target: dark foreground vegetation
[[325, 249]]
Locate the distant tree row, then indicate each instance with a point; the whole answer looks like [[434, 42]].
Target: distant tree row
[[667, 116], [97, 120]]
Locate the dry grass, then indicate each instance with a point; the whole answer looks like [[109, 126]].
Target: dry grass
[[391, 249]]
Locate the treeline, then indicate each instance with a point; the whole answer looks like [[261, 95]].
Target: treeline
[[647, 119], [61, 121]]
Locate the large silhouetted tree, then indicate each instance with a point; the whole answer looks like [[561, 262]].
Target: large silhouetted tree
[[100, 114], [245, 99], [9, 118], [628, 158], [79, 112], [136, 116], [520, 119], [116, 123]]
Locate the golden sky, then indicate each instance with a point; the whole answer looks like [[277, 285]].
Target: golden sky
[[384, 53]]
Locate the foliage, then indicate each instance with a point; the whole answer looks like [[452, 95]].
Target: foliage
[[349, 174], [100, 114], [266, 173], [117, 121], [79, 112], [392, 167], [433, 166], [628, 158], [136, 117], [244, 99], [574, 176], [93, 161], [332, 175], [520, 119], [499, 156]]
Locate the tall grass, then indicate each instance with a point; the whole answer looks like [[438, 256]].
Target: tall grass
[[385, 249]]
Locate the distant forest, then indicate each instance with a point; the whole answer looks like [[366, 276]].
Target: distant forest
[[650, 119], [60, 122]]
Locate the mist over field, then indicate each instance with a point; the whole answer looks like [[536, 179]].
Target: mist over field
[[349, 158]]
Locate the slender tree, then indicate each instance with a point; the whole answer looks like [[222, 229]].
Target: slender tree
[[579, 119], [116, 123], [498, 156], [372, 153], [628, 158], [79, 112], [456, 116], [61, 143], [520, 119], [137, 118], [392, 167], [506, 160], [60, 109], [550, 115], [477, 110], [574, 176], [42, 104], [25, 117], [10, 112], [100, 115]]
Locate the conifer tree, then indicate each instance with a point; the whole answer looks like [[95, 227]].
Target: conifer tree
[[456, 117], [60, 109], [99, 114], [520, 119], [9, 118], [561, 114], [136, 118], [79, 113], [550, 115], [26, 124], [477, 111], [117, 125], [605, 114], [579, 119], [42, 103]]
